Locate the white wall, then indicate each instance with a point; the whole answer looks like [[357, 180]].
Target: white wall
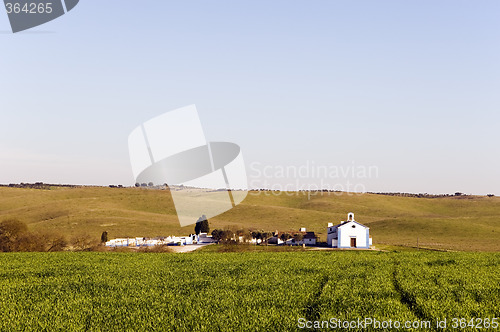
[[329, 237], [309, 241], [347, 231]]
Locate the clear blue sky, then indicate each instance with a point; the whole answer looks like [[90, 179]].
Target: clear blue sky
[[411, 87]]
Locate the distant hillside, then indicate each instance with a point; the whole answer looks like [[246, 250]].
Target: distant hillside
[[460, 223]]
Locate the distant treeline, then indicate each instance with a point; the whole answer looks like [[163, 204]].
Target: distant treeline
[[46, 186], [425, 195], [37, 185]]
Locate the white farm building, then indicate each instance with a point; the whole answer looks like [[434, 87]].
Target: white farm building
[[348, 234], [202, 238]]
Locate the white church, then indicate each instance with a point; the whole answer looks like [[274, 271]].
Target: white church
[[349, 234]]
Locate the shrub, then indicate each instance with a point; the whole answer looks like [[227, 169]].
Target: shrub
[[10, 231], [14, 236], [83, 243]]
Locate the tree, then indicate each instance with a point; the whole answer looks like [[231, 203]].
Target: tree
[[247, 237], [205, 227], [256, 235], [297, 237], [223, 236], [217, 235], [56, 243], [202, 225], [10, 231], [227, 235], [13, 227], [29, 242], [244, 234], [40, 242], [285, 236], [265, 236], [14, 236], [104, 237]]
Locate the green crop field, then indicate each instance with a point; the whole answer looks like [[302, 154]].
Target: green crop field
[[469, 223], [249, 291]]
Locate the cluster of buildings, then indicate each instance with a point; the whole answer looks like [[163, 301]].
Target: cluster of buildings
[[202, 238], [346, 234], [308, 239]]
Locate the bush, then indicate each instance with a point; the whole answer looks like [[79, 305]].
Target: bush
[[11, 230], [29, 242], [41, 242], [83, 243], [56, 242], [14, 236]]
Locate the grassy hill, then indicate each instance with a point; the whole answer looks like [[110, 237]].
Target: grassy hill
[[458, 223]]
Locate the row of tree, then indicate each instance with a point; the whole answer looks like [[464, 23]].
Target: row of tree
[[15, 236], [423, 195], [265, 236], [242, 235]]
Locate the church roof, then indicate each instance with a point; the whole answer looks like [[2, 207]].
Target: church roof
[[347, 222]]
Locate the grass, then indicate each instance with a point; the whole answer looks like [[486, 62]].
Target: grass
[[251, 248], [241, 291], [451, 223]]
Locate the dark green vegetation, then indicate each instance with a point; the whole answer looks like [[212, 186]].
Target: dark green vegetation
[[258, 291], [202, 225], [457, 223]]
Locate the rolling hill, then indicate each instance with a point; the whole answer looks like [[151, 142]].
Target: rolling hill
[[456, 223]]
